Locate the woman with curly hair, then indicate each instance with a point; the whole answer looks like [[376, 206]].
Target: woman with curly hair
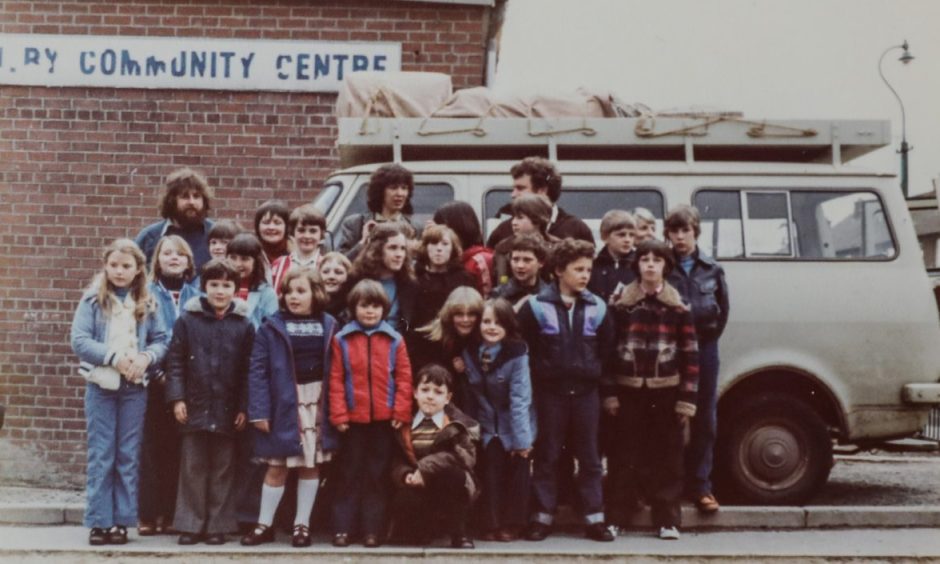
[[386, 259]]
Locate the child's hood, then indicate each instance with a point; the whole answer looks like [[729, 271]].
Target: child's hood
[[196, 305]]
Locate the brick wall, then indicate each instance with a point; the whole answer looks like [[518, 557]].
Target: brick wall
[[82, 166]]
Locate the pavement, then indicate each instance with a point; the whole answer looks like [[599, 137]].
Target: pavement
[[69, 544]]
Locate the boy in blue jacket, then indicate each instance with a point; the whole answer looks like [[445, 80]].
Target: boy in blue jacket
[[206, 372], [569, 332]]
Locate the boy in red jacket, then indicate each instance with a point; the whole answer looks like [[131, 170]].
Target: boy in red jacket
[[369, 397]]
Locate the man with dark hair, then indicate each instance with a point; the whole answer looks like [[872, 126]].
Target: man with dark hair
[[535, 175], [388, 199], [184, 208]]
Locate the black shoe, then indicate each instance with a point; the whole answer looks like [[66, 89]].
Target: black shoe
[[186, 539], [215, 538], [259, 535], [341, 540], [371, 541], [598, 532], [117, 535], [537, 531], [97, 536], [461, 541], [301, 536]]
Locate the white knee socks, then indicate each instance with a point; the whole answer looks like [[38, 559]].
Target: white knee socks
[[306, 495], [270, 498]]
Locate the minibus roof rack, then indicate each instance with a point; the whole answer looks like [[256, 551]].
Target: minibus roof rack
[[719, 137]]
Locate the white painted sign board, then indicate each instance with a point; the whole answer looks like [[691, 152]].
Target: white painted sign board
[[188, 63]]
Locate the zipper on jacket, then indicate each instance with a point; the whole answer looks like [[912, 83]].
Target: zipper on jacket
[[369, 375]]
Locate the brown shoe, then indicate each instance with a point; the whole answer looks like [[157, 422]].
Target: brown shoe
[[508, 534], [707, 503], [371, 541]]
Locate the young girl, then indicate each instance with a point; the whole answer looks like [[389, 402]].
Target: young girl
[[334, 274], [173, 282], [386, 259], [117, 334], [439, 271], [306, 226], [443, 340], [285, 383], [271, 220], [477, 259], [369, 396], [246, 255], [497, 368]]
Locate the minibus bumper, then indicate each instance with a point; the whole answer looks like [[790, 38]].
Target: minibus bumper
[[921, 393]]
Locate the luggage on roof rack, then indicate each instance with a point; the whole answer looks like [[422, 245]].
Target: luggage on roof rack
[[705, 137]]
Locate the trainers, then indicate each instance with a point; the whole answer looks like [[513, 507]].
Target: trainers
[[707, 503], [669, 533], [598, 532]]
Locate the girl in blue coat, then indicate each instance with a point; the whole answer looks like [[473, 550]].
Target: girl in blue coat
[[286, 400], [497, 368]]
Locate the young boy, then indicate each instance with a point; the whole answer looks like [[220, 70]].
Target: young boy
[[569, 333], [207, 370], [612, 268], [645, 225], [531, 215], [306, 226], [526, 260], [433, 469], [369, 398], [650, 388], [701, 281], [220, 235]]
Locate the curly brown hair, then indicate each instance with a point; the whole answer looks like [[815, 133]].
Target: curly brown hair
[[178, 183], [542, 173], [369, 263], [382, 178]]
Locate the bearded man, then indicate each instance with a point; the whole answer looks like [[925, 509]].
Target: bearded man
[[184, 207]]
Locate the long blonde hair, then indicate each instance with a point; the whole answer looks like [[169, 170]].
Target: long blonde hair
[[138, 287], [441, 328], [156, 273]]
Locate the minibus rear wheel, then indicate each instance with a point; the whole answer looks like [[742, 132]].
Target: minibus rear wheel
[[776, 451]]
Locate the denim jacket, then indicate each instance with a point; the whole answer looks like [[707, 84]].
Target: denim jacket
[[89, 336], [168, 310]]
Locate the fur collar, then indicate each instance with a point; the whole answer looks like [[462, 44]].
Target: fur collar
[[634, 294], [196, 305]]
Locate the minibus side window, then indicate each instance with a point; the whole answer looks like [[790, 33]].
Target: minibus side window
[[797, 224]]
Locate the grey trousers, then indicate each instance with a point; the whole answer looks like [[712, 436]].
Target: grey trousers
[[205, 502]]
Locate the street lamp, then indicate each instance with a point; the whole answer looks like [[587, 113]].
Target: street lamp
[[905, 58]]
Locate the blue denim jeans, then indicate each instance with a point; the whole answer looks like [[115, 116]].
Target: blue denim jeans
[[115, 424], [700, 454]]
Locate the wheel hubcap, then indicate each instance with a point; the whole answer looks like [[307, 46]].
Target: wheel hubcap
[[773, 456]]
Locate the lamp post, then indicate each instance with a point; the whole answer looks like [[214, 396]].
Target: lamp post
[[905, 58]]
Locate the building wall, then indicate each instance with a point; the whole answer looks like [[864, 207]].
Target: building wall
[[82, 166]]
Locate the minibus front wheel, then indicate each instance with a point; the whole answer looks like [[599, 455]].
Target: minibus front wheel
[[775, 450]]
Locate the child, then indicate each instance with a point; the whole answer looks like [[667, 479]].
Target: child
[[612, 269], [531, 214], [477, 259], [433, 469], [246, 255], [439, 270], [334, 273], [306, 226], [271, 220], [501, 400], [173, 282], [386, 258], [207, 369], [651, 387], [443, 340], [221, 234], [369, 397], [117, 334], [526, 260], [288, 365], [701, 282], [569, 333], [645, 225]]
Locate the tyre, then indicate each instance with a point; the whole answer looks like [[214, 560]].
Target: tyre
[[774, 450]]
